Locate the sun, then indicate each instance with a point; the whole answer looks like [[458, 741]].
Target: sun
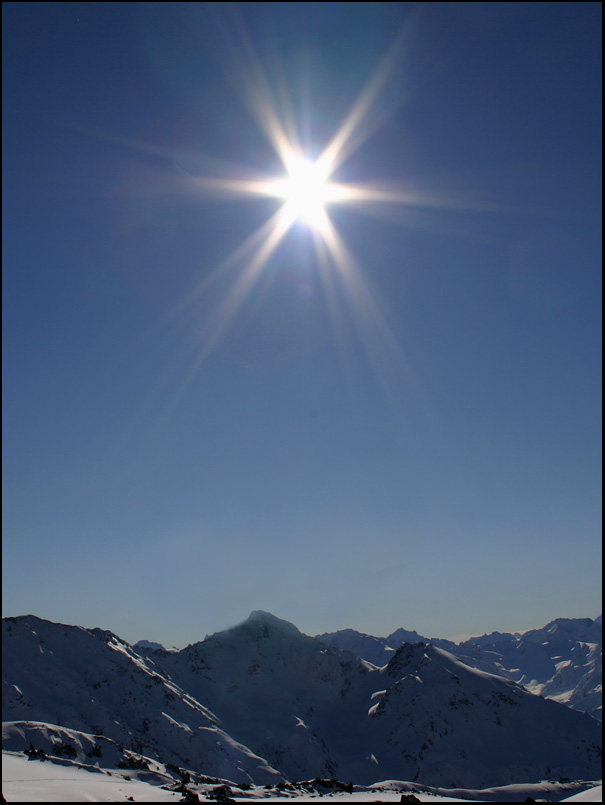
[[306, 191]]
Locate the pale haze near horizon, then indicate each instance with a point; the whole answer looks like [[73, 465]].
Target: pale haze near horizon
[[451, 486]]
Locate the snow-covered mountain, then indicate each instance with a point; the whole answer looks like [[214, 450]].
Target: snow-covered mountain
[[446, 719], [262, 702], [90, 680], [561, 661], [378, 650]]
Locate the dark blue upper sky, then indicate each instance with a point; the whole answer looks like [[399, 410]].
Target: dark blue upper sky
[[431, 462]]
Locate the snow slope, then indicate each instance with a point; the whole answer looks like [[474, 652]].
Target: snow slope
[[25, 781], [66, 781]]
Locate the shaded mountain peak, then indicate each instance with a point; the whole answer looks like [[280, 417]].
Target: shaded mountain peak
[[261, 625], [270, 620], [407, 659], [405, 636]]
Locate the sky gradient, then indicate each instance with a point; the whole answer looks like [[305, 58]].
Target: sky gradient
[[418, 448]]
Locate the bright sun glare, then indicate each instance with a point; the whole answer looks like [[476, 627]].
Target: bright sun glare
[[306, 191]]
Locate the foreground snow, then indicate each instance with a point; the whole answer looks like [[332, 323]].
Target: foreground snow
[[33, 781], [60, 780], [592, 795]]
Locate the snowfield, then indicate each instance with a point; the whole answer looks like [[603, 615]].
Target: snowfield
[[66, 781]]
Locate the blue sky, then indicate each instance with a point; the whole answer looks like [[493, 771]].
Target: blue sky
[[430, 459]]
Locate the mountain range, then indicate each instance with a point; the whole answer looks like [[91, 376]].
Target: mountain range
[[263, 702], [562, 661]]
